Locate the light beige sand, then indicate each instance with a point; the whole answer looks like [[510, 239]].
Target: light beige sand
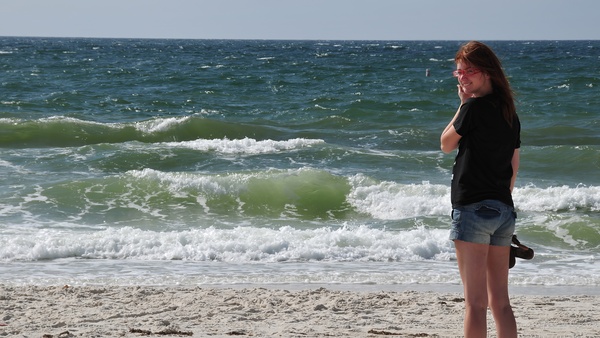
[[62, 311]]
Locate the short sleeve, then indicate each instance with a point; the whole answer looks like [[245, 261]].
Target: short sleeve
[[518, 138], [463, 122]]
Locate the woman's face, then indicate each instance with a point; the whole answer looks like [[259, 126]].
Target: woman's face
[[473, 81]]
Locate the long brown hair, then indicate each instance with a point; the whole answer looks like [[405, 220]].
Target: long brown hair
[[481, 56]]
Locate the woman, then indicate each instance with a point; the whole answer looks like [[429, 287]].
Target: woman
[[486, 131]]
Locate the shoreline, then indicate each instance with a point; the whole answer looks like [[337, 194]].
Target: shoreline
[[514, 290], [272, 311]]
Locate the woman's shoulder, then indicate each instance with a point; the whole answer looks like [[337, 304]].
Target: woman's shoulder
[[487, 102]]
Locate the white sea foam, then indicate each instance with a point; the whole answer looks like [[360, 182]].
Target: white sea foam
[[383, 200], [564, 197], [160, 124], [246, 145], [241, 244], [350, 255], [391, 200]]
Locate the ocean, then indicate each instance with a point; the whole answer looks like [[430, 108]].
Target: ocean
[[257, 162]]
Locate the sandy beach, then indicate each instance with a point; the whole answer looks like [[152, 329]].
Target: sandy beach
[[95, 311]]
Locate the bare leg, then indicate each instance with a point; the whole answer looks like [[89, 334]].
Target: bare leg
[[497, 286], [472, 260]]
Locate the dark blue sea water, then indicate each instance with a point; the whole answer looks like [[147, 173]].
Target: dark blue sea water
[[186, 162]]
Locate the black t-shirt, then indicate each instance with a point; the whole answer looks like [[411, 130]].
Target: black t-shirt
[[482, 168]]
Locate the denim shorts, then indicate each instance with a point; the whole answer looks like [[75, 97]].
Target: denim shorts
[[487, 222]]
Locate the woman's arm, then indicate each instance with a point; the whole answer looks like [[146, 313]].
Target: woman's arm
[[450, 138], [516, 159]]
